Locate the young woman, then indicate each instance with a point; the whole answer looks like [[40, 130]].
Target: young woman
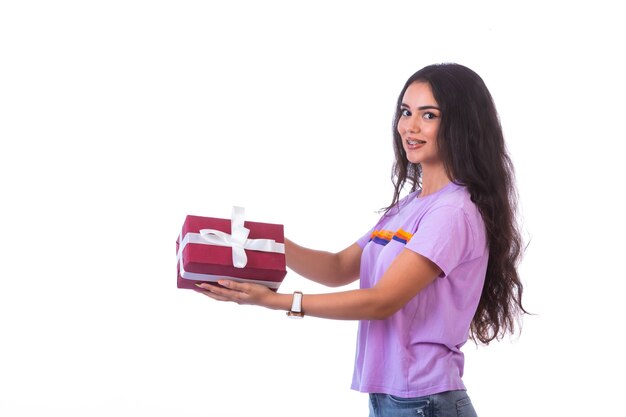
[[440, 265]]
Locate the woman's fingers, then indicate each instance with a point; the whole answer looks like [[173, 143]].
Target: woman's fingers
[[213, 296], [234, 285], [217, 293], [238, 292]]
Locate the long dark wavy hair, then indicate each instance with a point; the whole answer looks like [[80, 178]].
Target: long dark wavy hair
[[471, 146]]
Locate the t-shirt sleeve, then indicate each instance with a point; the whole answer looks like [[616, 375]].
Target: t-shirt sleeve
[[362, 241], [443, 235]]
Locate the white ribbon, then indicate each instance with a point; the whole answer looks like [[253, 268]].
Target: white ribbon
[[237, 239]]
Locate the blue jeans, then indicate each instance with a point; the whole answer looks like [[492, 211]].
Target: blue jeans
[[445, 404]]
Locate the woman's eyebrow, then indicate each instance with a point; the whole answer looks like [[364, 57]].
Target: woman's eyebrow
[[428, 107]]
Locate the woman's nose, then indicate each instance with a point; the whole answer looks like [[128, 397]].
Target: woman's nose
[[412, 126]]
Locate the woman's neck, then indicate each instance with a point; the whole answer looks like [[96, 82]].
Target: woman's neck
[[434, 178]]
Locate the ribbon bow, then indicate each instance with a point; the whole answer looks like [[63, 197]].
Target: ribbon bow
[[238, 239]]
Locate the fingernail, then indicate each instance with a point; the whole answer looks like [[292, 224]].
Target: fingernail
[[224, 283], [198, 285]]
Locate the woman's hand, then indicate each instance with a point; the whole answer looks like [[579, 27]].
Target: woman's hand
[[238, 292]]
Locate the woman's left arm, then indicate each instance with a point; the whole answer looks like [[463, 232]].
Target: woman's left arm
[[407, 275]]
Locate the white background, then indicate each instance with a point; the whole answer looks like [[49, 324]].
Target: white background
[[118, 118]]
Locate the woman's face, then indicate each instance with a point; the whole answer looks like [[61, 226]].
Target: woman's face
[[419, 124]]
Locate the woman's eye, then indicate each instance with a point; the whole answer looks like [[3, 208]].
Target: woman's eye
[[405, 112], [430, 115]]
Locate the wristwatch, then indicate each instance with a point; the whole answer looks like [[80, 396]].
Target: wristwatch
[[296, 306]]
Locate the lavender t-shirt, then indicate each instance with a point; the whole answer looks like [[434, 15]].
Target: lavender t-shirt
[[416, 351]]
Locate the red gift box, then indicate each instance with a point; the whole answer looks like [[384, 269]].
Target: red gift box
[[210, 248]]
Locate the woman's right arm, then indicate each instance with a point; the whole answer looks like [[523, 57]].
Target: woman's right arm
[[330, 269]]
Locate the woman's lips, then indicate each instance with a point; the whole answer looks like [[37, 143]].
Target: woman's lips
[[414, 143]]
